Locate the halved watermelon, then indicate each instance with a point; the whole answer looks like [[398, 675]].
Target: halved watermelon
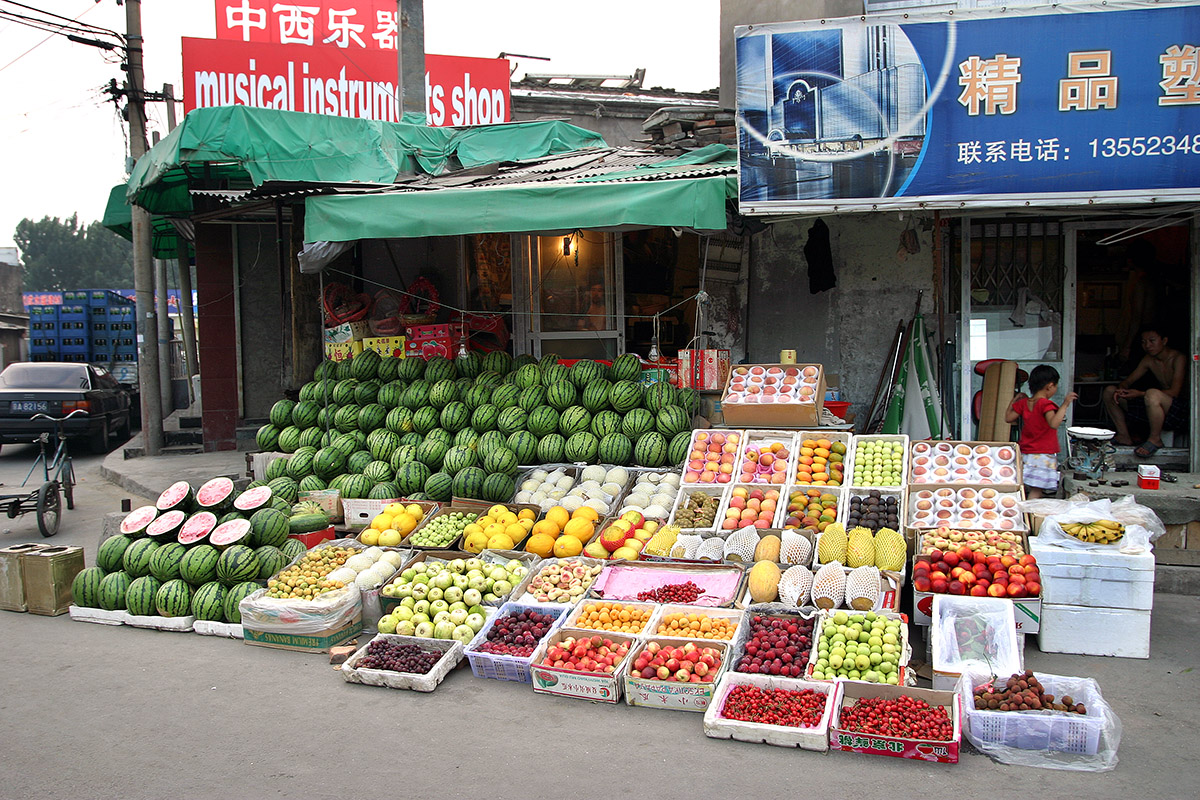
[[177, 496], [166, 526], [197, 528], [215, 495], [252, 500], [136, 521], [230, 533]]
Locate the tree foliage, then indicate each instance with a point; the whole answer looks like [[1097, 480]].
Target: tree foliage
[[65, 255]]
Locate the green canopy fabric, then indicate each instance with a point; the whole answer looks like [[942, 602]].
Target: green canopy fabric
[[251, 146], [118, 218], [692, 202]]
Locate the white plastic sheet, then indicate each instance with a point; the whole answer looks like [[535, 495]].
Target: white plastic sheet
[[1142, 525]]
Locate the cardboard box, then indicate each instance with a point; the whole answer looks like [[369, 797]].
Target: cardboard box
[[311, 540], [849, 692], [386, 346], [427, 341], [768, 415], [342, 352], [922, 454], [1027, 611], [319, 642], [48, 574], [329, 499], [357, 513], [672, 695], [347, 332], [666, 369], [718, 727], [598, 687], [703, 369], [12, 582]]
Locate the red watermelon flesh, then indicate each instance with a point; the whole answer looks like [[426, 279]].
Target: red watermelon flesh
[[253, 499], [197, 528], [214, 493], [229, 533], [136, 521], [166, 525], [176, 496]]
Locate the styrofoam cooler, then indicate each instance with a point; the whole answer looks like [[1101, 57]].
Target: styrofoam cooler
[[1080, 630]]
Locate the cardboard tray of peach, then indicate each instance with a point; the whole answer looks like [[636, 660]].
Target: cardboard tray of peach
[[719, 584]]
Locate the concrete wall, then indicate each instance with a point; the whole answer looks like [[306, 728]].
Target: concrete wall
[[11, 283], [849, 328], [618, 125], [261, 302]]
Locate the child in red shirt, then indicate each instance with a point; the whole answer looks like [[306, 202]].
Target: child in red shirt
[[1040, 418]]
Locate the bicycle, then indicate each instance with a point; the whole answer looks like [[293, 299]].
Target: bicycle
[[58, 480]]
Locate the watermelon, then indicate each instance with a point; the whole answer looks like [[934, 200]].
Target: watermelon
[[469, 483], [237, 564], [251, 500], [236, 594], [293, 549], [439, 486], [328, 462], [498, 488], [524, 359], [411, 478], [232, 515], [164, 563], [301, 463], [637, 423], [410, 369], [529, 376], [356, 487], [113, 586], [606, 422], [289, 439], [550, 448], [216, 495], [270, 561], [501, 460], [677, 450], [382, 443], [542, 421], [469, 364], [390, 394], [625, 396], [650, 450], [490, 441], [457, 459], [111, 553], [443, 393], [312, 438], [426, 419], [585, 371], [672, 420], [531, 398], [388, 490], [309, 483], [404, 454], [177, 496], [574, 420], [627, 367], [174, 599], [477, 396], [378, 471], [413, 439], [139, 597], [85, 588], [467, 437], [135, 523], [524, 446], [455, 417], [267, 438], [389, 365], [304, 415], [595, 396], [285, 489], [366, 393], [505, 396], [498, 362], [346, 418], [308, 521], [281, 413], [439, 368], [615, 448], [399, 420], [229, 533], [269, 527], [431, 453], [342, 371], [561, 395], [358, 461], [484, 418], [688, 400], [511, 420], [136, 560], [365, 365], [197, 528], [416, 395], [208, 603], [552, 371], [581, 447], [440, 435], [371, 417], [658, 396]]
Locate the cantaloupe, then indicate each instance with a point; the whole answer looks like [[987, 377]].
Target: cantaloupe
[[764, 582], [768, 549]]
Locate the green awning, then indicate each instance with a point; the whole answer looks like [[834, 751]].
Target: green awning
[[244, 146], [687, 202], [118, 218]]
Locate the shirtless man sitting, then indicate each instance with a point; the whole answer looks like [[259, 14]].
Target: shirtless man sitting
[[1164, 406]]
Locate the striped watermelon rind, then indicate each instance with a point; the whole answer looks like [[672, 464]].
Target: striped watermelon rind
[[140, 597], [174, 599], [164, 563], [199, 565], [269, 526], [208, 602], [85, 587], [237, 564], [112, 591], [136, 561]]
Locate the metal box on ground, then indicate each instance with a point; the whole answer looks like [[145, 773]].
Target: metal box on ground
[[48, 574]]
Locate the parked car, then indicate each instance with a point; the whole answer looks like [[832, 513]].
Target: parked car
[[56, 389]]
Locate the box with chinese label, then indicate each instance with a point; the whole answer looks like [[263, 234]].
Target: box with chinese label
[[427, 341], [342, 352], [703, 369], [347, 332], [599, 687], [386, 346], [850, 692], [672, 694]]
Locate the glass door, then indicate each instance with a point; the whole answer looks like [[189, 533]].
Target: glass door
[[573, 294]]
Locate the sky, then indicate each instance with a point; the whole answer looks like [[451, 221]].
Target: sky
[[64, 146]]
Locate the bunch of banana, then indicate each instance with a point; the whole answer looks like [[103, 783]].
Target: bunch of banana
[[1104, 531]]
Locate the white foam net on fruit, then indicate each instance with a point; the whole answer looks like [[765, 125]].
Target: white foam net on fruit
[[713, 549], [795, 549], [742, 543], [794, 585], [686, 546]]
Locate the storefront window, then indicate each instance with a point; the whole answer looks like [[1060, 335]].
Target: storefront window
[[574, 288], [489, 272]]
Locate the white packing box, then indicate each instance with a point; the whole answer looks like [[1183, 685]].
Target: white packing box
[[1095, 578], [1084, 631]]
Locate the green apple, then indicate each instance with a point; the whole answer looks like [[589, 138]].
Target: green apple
[[462, 581], [419, 617], [444, 580], [402, 613], [424, 630], [459, 616], [475, 622], [409, 601], [458, 565], [473, 563], [435, 594], [501, 588], [420, 591], [421, 607], [513, 565], [403, 590], [478, 583], [440, 617], [438, 605], [463, 633]]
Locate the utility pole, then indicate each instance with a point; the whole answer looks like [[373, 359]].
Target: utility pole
[[149, 384], [186, 322], [410, 47]]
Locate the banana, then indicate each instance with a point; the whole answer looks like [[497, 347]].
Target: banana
[[1105, 531]]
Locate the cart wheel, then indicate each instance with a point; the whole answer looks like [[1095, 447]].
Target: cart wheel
[[68, 484], [49, 508]]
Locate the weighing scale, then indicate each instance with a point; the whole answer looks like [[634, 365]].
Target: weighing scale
[[1090, 451]]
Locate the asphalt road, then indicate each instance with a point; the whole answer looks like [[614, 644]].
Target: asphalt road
[[97, 712]]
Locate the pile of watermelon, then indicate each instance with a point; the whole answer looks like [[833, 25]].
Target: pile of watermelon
[[192, 553], [381, 428]]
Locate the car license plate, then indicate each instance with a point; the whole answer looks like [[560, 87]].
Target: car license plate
[[31, 406]]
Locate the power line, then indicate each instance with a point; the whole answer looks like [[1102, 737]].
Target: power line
[[85, 27], [18, 19]]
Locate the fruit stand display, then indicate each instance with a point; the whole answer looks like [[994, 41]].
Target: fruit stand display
[[674, 673], [503, 649], [403, 662]]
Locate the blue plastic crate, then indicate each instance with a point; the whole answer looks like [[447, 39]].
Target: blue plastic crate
[[102, 356], [74, 313]]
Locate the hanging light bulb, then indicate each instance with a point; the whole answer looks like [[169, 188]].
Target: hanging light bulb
[[566, 245]]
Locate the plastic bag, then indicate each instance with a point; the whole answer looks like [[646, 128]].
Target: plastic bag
[[977, 633], [385, 314], [1142, 526], [1045, 739], [330, 611]]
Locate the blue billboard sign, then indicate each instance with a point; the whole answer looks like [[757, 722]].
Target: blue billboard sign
[[1021, 106]]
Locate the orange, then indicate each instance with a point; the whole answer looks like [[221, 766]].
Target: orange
[[540, 544], [559, 516], [581, 529], [586, 512], [567, 546], [547, 528]]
